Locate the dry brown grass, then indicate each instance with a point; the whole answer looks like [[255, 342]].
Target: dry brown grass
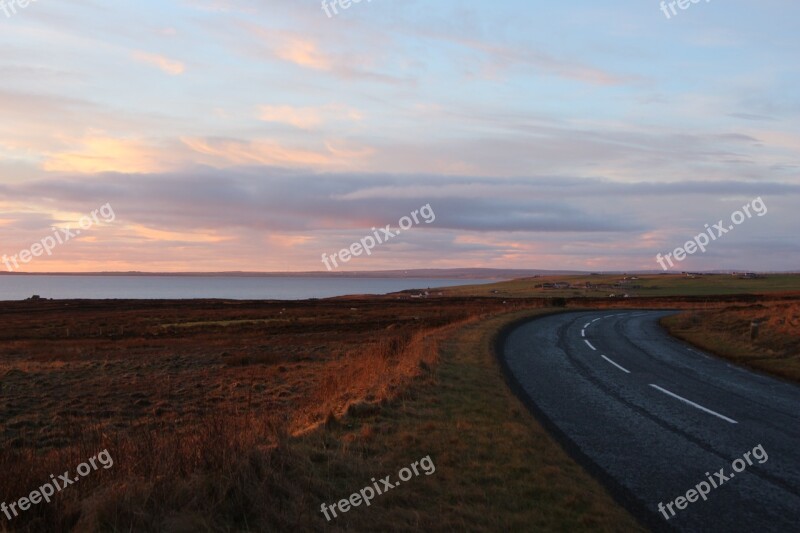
[[205, 403], [726, 332]]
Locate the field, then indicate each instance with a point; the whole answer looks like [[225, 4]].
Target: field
[[118, 365], [176, 389], [653, 285]]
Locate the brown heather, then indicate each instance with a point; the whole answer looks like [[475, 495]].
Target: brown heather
[[199, 404], [726, 332]]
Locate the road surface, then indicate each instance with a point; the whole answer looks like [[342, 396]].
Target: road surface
[[652, 418]]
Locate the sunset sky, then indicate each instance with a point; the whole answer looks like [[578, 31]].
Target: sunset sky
[[258, 135]]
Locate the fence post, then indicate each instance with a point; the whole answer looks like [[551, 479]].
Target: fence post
[[754, 330]]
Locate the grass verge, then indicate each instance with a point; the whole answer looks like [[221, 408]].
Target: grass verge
[[727, 333], [496, 468]]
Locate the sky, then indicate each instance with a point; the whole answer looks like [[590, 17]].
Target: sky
[[254, 135]]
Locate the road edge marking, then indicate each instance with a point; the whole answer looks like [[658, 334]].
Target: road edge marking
[[698, 406]]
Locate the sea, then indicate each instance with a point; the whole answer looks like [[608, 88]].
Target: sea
[[20, 287]]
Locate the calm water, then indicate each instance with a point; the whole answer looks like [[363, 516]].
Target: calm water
[[234, 288]]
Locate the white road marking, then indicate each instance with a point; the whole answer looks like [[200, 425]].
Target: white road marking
[[615, 364], [596, 319], [698, 406], [608, 316], [583, 333], [701, 354], [587, 324], [590, 345]]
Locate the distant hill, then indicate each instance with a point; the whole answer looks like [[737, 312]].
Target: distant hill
[[441, 273], [429, 273]]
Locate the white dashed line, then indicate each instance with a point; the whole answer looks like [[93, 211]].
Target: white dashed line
[[590, 345], [698, 406], [608, 316], [587, 324], [615, 364], [583, 333], [596, 319]]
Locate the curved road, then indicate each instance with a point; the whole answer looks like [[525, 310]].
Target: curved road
[[653, 418]]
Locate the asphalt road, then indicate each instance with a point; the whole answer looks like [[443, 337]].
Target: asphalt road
[[652, 418]]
